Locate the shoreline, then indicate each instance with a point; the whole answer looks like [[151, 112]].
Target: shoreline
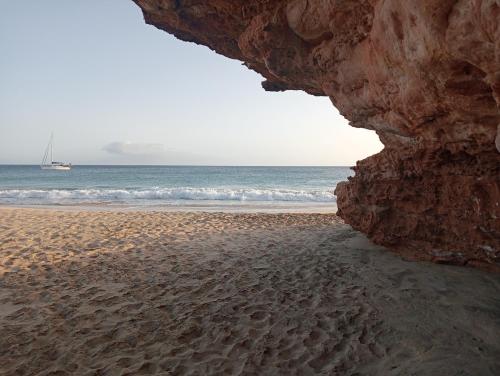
[[136, 292], [198, 206]]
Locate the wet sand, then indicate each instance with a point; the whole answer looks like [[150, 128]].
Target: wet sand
[[131, 293]]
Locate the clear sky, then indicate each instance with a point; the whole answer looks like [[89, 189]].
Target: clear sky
[[117, 91]]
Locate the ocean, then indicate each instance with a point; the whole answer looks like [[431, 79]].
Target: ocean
[[174, 187]]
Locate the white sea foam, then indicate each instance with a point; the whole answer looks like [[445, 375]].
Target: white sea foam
[[51, 196]]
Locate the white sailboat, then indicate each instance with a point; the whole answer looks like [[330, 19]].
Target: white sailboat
[[48, 163]]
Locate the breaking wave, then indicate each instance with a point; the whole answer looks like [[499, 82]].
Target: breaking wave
[[62, 196]]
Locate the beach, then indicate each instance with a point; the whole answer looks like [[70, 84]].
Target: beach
[[92, 292]]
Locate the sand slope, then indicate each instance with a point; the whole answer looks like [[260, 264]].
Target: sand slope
[[114, 293]]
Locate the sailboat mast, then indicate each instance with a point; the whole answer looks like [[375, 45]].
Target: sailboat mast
[[51, 142]]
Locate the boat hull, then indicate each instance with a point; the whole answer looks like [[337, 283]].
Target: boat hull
[[65, 168]]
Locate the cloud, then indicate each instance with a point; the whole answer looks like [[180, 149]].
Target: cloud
[[149, 153], [135, 149]]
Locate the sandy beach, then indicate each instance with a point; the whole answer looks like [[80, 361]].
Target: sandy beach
[[136, 293]]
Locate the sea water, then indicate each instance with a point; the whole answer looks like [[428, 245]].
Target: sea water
[[175, 187]]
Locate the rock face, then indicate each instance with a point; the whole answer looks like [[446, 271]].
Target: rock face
[[424, 75]]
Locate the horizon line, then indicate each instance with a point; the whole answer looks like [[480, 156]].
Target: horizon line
[[176, 165]]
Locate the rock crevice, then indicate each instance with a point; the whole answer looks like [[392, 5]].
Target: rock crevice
[[425, 75]]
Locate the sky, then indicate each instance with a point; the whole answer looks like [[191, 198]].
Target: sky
[[117, 91]]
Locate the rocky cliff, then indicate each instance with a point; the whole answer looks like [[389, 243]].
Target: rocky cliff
[[424, 75]]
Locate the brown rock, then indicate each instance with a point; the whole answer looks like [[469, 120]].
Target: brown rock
[[425, 75]]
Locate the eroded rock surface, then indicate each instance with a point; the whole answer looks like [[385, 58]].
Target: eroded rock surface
[[425, 75]]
